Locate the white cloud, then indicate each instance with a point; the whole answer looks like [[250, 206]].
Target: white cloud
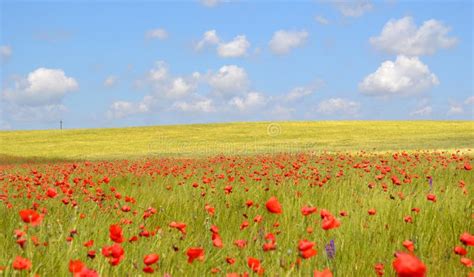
[[405, 76], [298, 93], [423, 111], [5, 52], [354, 8], [159, 33], [209, 38], [321, 20], [283, 41], [110, 81], [45, 113], [235, 48], [404, 37], [469, 101], [121, 109], [159, 72], [338, 106], [179, 88], [41, 87], [223, 91], [303, 91], [206, 106], [249, 102], [455, 110], [229, 80], [210, 3]]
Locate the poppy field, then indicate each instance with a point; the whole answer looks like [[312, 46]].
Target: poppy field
[[325, 214]]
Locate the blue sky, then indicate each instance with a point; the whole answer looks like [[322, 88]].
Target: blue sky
[[128, 64]]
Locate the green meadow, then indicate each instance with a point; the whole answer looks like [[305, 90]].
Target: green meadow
[[346, 168]]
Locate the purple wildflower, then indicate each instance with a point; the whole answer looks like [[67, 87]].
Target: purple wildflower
[[330, 249]]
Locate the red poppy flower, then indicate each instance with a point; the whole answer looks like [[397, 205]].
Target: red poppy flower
[[467, 262], [179, 225], [467, 239], [148, 269], [116, 234], [255, 266], [21, 263], [459, 250], [31, 216], [244, 225], [210, 210], [329, 221], [86, 272], [409, 245], [407, 265], [306, 249], [216, 240], [115, 253], [230, 260], [324, 273], [240, 243], [431, 197], [307, 210], [273, 205], [195, 254], [151, 259], [379, 269], [372, 212], [89, 243], [75, 266], [51, 193]]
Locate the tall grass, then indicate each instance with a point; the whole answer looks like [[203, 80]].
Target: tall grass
[[166, 184]]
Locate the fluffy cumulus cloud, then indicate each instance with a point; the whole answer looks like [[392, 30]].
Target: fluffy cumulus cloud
[[122, 109], [405, 76], [283, 41], [199, 106], [215, 91], [402, 36], [321, 20], [338, 106], [237, 47], [158, 33], [248, 102], [423, 111], [179, 88], [353, 8], [301, 92], [209, 38], [229, 81], [5, 52], [159, 72], [455, 108], [37, 97], [110, 81], [43, 86], [469, 100]]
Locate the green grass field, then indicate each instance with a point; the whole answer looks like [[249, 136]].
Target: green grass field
[[237, 138], [175, 170]]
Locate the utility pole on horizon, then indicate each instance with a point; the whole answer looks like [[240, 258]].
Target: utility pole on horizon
[[60, 124]]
